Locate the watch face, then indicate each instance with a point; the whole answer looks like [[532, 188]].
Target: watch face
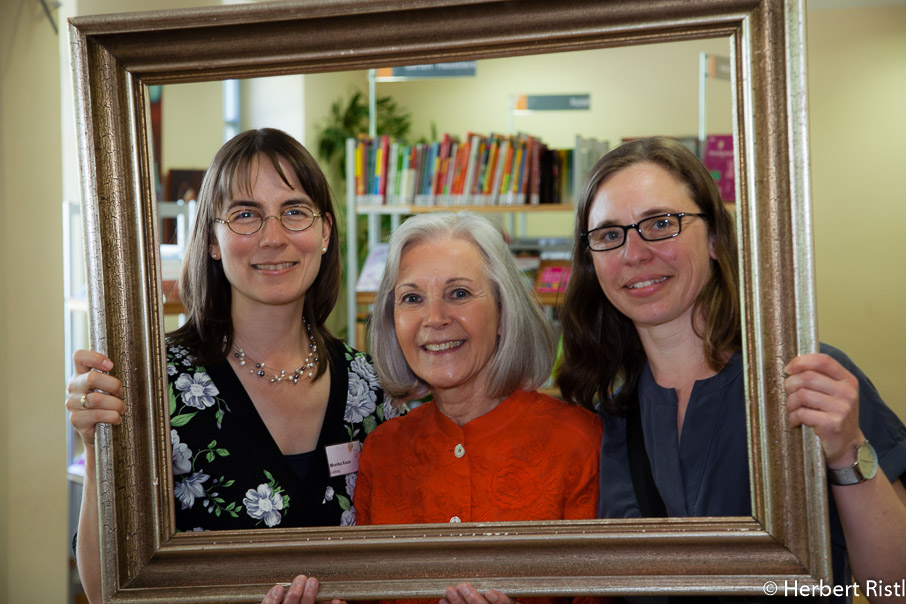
[[867, 461]]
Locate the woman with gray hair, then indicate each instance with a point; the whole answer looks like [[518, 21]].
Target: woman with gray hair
[[454, 319], [525, 352]]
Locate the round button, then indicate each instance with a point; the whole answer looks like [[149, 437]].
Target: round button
[[459, 450], [455, 519]]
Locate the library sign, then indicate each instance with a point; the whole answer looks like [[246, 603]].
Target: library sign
[[457, 69], [553, 102]]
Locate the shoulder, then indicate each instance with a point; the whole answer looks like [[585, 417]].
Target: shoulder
[[392, 432], [178, 350], [412, 420], [355, 361], [556, 414], [865, 385], [356, 365], [181, 360], [839, 356]]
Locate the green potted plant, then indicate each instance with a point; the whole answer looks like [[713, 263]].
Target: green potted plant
[[351, 120]]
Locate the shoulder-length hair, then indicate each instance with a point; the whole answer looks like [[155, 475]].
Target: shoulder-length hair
[[602, 354], [525, 349], [203, 286]]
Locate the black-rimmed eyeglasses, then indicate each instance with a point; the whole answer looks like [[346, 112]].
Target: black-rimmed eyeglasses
[[248, 221], [656, 228]]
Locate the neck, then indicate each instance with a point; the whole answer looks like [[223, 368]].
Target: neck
[[675, 354], [274, 334], [462, 408]]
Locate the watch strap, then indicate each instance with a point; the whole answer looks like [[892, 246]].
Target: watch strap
[[853, 474], [845, 476]]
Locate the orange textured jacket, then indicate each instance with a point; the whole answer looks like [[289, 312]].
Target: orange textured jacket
[[532, 457]]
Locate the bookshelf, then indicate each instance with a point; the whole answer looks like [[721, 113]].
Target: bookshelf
[[373, 205], [406, 210]]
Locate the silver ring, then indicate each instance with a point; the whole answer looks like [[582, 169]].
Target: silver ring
[[84, 401]]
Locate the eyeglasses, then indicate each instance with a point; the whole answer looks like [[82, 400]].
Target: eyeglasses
[[248, 221], [663, 226]]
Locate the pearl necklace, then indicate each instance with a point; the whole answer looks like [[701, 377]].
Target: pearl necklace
[[310, 364]]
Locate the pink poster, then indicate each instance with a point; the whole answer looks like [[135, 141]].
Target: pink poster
[[719, 161]]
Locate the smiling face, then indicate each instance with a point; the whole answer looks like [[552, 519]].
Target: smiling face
[[273, 266], [654, 283], [446, 316]]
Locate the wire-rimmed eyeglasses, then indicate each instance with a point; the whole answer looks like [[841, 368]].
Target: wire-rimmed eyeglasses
[[655, 228], [248, 221]]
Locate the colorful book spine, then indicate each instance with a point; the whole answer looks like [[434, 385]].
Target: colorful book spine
[[471, 170], [487, 171], [392, 166], [382, 150], [446, 197], [516, 175], [533, 188], [503, 152], [525, 171], [359, 164], [462, 162]]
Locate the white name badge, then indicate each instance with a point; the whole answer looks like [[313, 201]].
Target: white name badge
[[343, 458]]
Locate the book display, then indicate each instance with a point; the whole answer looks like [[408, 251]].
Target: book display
[[473, 170]]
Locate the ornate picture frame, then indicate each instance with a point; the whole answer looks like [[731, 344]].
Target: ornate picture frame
[[144, 560]]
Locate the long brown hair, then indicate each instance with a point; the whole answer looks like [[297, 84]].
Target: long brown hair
[[203, 286], [602, 353]]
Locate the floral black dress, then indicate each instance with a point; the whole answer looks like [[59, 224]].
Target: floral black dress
[[228, 471]]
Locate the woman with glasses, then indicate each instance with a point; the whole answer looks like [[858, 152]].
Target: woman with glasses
[[267, 408], [651, 327]]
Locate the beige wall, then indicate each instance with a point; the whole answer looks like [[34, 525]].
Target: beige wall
[[857, 82], [33, 512], [191, 125]]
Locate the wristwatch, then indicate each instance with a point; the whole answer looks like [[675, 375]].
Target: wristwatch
[[864, 468]]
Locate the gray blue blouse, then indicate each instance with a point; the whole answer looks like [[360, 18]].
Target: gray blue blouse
[[705, 473]]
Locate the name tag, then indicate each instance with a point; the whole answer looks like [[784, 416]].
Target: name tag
[[343, 458]]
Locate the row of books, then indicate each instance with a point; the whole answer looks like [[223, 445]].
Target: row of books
[[478, 169]]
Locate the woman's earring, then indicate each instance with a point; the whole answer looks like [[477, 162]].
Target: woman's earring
[[323, 250], [214, 256]]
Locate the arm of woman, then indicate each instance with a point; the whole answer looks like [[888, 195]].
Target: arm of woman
[[825, 395], [94, 397]]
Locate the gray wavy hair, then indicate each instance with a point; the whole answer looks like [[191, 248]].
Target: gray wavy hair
[[525, 349]]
